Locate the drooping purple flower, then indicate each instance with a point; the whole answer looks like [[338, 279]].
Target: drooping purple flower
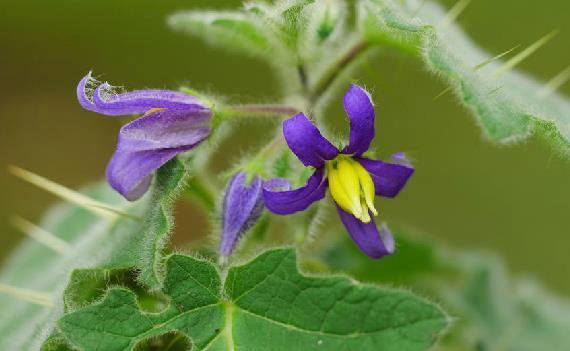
[[172, 123], [242, 206], [352, 179]]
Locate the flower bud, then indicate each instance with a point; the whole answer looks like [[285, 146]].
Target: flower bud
[[242, 207]]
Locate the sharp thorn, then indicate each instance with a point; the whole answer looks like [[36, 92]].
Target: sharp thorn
[[443, 92], [64, 193], [554, 84], [453, 13], [494, 58], [40, 235], [39, 298], [517, 59]]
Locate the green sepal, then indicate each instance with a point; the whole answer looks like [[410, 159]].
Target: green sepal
[[169, 183]]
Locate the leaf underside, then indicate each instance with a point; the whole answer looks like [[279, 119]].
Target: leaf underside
[[508, 105], [95, 242]]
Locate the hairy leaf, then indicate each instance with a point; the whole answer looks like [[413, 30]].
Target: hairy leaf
[[104, 242], [508, 105], [323, 30], [239, 31], [263, 305], [494, 310]]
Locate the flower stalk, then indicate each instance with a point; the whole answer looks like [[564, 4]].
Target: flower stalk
[[253, 110]]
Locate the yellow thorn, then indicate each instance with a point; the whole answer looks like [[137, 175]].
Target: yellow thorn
[[40, 235], [552, 85], [510, 64], [494, 58], [453, 13], [67, 194], [118, 211], [443, 92], [478, 67], [28, 295]]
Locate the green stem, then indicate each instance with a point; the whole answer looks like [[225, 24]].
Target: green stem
[[199, 190], [250, 110], [332, 73]]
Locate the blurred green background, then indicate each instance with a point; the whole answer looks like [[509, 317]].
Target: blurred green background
[[467, 192]]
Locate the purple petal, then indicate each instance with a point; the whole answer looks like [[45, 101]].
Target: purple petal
[[360, 110], [139, 101], [165, 129], [400, 158], [375, 244], [285, 202], [148, 143], [82, 97], [130, 172], [242, 207], [305, 140], [388, 178]]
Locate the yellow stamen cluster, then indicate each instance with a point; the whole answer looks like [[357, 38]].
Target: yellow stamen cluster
[[352, 187]]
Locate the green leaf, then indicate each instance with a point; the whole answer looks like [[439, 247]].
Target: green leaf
[[56, 342], [494, 310], [108, 242], [504, 313], [233, 30], [508, 105], [325, 20], [292, 15], [92, 240], [322, 33], [263, 305]]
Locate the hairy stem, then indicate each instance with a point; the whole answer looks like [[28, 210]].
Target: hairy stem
[[261, 110], [338, 66], [199, 190]]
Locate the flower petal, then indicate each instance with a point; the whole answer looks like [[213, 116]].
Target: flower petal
[[148, 143], [360, 110], [104, 101], [165, 129], [285, 202], [82, 94], [130, 173], [242, 207], [305, 140], [388, 178], [373, 242]]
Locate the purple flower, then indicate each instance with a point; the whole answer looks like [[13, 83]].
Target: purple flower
[[243, 204], [172, 123], [352, 179]]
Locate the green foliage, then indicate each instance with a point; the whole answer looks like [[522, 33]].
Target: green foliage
[[123, 295], [231, 30], [493, 310], [508, 105], [265, 304], [108, 243], [94, 241], [293, 36]]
